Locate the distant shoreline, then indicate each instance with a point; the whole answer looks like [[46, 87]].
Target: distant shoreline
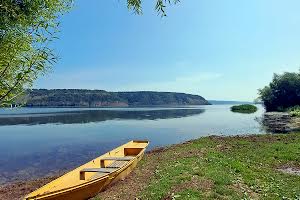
[[139, 106], [102, 98]]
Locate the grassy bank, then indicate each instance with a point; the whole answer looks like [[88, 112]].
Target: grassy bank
[[250, 167], [217, 168]]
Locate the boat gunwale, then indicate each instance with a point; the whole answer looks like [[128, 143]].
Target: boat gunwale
[[65, 190]]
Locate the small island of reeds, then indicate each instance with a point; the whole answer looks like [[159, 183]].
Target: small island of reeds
[[244, 108]]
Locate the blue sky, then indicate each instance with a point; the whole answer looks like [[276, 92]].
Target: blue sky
[[214, 48]]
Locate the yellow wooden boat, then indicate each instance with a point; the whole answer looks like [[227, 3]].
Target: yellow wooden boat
[[91, 178]]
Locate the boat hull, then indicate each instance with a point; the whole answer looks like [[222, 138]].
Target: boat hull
[[80, 193], [122, 175], [64, 189]]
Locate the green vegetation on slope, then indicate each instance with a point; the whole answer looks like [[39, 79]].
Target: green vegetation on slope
[[217, 168], [98, 98], [294, 111], [160, 98], [245, 108]]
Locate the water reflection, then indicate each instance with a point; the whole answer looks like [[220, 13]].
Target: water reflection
[[87, 116]]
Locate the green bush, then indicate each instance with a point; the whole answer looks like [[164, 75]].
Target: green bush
[[282, 93], [245, 108], [294, 111]]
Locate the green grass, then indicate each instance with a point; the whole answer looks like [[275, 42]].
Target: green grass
[[227, 168], [294, 111], [245, 108]]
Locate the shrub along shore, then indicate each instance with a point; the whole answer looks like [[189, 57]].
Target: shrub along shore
[[239, 167]]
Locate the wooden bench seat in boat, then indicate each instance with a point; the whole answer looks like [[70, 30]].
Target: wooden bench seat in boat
[[99, 170], [118, 163], [104, 170], [113, 166], [115, 162], [126, 158]]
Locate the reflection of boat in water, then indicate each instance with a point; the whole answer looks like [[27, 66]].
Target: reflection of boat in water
[[87, 116], [89, 179]]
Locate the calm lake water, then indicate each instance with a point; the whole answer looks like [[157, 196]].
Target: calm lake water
[[37, 142]]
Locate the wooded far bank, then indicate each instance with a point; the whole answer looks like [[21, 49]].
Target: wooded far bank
[[99, 98]]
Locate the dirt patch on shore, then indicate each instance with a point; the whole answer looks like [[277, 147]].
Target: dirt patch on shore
[[17, 190], [290, 168], [195, 183], [243, 189]]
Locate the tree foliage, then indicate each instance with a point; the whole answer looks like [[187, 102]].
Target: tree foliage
[[160, 6], [26, 29], [283, 92]]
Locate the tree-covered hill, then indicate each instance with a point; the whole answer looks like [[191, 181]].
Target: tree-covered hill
[[160, 98], [99, 98]]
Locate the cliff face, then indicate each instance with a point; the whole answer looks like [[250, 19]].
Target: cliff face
[[101, 98]]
